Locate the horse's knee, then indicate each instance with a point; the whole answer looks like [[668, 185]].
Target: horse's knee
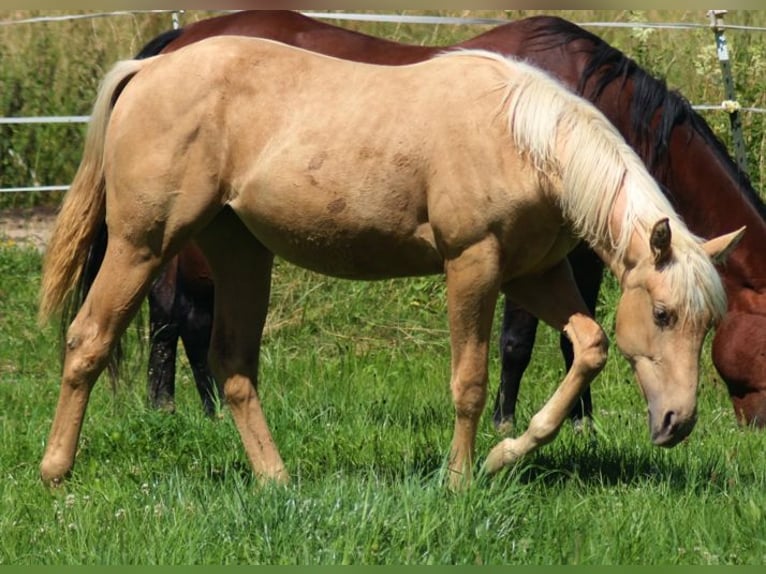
[[517, 337], [591, 347], [237, 391], [516, 350], [469, 393], [750, 408], [596, 351]]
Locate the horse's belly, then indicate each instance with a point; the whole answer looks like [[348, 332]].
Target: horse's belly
[[335, 246]]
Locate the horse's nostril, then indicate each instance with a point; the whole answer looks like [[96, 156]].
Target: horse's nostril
[[672, 428], [669, 424]]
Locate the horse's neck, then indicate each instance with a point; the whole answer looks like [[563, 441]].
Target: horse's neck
[[706, 192], [710, 198], [637, 247], [619, 265]]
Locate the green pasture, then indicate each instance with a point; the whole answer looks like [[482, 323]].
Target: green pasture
[[354, 381], [355, 385]]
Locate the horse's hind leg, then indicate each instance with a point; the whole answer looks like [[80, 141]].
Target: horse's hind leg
[[588, 272], [195, 316], [178, 310], [163, 336], [195, 335], [241, 268], [114, 298]]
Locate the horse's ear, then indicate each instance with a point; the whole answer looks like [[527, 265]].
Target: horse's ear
[[719, 248], [660, 242]]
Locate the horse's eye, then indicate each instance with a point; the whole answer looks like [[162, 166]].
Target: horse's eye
[[663, 318]]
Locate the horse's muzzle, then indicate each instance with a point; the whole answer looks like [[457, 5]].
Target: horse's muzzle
[[670, 429]]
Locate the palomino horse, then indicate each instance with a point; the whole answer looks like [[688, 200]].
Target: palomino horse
[[676, 144], [469, 164]]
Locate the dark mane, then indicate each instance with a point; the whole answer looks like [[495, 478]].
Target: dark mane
[[158, 43], [605, 65]]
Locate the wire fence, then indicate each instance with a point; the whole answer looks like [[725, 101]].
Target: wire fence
[[730, 106]]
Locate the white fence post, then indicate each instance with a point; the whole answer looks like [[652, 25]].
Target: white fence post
[[731, 105]]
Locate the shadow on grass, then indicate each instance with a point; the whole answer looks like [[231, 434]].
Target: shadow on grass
[[610, 467]]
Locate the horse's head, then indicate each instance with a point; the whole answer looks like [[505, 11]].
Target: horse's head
[[670, 299]]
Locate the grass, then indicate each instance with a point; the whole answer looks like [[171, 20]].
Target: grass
[[354, 383]]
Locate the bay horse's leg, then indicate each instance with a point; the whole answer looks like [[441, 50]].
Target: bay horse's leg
[[554, 298], [112, 301], [195, 317], [588, 272], [163, 337], [473, 284], [517, 338], [195, 335], [241, 268]]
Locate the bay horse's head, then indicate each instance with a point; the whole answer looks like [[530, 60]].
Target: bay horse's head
[[670, 299]]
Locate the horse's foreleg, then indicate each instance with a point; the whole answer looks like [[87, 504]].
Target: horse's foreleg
[[241, 268], [554, 298], [517, 338], [112, 301], [588, 271], [473, 283]]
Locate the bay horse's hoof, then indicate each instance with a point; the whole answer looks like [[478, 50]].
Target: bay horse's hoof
[[505, 426]]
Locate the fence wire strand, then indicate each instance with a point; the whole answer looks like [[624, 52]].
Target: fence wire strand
[[349, 16]]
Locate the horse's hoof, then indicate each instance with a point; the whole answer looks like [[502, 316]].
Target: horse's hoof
[[501, 455], [52, 480], [164, 405], [584, 424], [504, 427], [458, 481]]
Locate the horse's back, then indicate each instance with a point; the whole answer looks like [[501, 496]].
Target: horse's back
[[346, 168]]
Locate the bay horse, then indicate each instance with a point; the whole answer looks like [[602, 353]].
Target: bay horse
[[681, 151], [470, 164]]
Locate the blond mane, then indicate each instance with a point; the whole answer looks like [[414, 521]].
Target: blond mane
[[569, 140]]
